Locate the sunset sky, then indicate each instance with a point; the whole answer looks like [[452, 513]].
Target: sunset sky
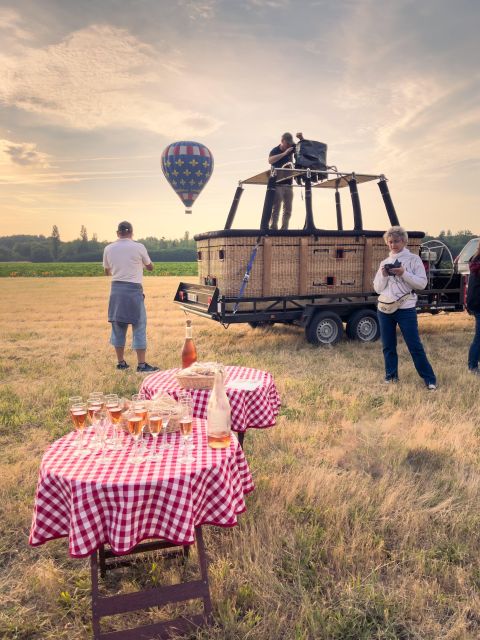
[[92, 92]]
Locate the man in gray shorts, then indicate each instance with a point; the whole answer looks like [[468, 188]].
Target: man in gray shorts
[[125, 260]]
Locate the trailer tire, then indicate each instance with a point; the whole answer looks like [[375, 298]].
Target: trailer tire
[[363, 326], [260, 325], [325, 328]]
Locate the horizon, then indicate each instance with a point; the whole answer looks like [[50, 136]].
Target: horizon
[[91, 97]]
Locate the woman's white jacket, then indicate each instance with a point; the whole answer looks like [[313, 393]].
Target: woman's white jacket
[[395, 287]]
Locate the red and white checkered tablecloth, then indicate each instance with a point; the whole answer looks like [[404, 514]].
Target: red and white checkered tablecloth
[[251, 408], [116, 502]]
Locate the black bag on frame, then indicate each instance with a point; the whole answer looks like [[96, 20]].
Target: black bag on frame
[[310, 154]]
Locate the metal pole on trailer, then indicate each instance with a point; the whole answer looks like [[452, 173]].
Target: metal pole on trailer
[[269, 199], [338, 207], [234, 206], [357, 209], [309, 223], [387, 200]]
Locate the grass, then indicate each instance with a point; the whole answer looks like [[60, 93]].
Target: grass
[[365, 520], [90, 269]]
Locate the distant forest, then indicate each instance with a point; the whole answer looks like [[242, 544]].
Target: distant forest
[[26, 248], [23, 248]]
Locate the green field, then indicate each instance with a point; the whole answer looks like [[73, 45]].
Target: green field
[[76, 269]]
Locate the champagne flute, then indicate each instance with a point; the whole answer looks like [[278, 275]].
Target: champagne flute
[[186, 414], [155, 424], [139, 407], [186, 420], [78, 413], [100, 418], [135, 426], [165, 414], [113, 406]]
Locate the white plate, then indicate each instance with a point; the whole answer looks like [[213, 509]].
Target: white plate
[[244, 385]]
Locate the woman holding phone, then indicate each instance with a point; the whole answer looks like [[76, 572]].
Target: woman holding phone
[[395, 281]]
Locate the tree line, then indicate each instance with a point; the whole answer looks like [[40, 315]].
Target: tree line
[[21, 248], [31, 248]]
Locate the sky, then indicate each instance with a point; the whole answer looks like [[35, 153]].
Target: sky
[[92, 92]]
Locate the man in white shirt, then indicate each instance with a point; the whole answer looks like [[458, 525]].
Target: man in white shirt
[[125, 260]]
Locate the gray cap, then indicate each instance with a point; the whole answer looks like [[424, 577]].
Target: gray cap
[[125, 227]]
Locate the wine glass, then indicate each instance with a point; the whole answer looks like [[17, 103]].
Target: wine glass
[[114, 408], [139, 407], [156, 426], [165, 414], [135, 426], [186, 415], [186, 420], [78, 413], [100, 420]]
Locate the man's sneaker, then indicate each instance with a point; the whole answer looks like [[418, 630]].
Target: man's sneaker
[[146, 368], [122, 365], [390, 380], [475, 372], [432, 386]]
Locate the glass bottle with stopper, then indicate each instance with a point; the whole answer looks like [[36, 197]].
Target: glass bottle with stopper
[[219, 414], [189, 352]]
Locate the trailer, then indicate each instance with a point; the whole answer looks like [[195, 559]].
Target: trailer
[[318, 279]]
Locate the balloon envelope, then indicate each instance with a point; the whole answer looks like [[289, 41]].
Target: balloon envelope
[[187, 166]]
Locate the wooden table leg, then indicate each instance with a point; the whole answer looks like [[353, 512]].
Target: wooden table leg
[[103, 606], [95, 616], [203, 561]]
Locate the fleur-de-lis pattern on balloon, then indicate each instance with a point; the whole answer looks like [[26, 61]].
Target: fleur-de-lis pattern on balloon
[[187, 166]]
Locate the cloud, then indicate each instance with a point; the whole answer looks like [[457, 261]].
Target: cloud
[[199, 9], [10, 24], [23, 154], [100, 76]]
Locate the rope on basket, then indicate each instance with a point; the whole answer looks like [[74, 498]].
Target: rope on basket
[[246, 277]]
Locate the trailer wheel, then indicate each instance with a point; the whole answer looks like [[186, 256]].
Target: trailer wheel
[[259, 325], [325, 328], [363, 326]]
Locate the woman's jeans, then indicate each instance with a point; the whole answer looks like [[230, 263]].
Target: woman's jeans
[[407, 321], [474, 351]]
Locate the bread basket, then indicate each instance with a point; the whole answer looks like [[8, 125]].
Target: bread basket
[[200, 375]]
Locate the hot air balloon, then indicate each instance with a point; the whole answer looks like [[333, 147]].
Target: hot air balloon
[[187, 166]]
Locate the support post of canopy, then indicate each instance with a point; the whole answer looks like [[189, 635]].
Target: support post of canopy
[[268, 203], [338, 207], [387, 200], [309, 226], [234, 206], [357, 209]]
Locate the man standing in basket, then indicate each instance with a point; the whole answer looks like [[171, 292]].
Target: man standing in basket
[[279, 156], [125, 260]]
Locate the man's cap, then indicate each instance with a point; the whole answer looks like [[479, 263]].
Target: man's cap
[[288, 137], [124, 227]]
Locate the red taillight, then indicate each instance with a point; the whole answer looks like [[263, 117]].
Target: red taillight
[[210, 300], [181, 296]]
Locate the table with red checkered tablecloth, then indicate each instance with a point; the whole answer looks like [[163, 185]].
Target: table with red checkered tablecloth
[[255, 406], [120, 503], [95, 500]]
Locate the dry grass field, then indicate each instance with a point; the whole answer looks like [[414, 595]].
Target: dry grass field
[[365, 521]]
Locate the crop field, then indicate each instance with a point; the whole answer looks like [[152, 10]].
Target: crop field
[[365, 520], [90, 269]]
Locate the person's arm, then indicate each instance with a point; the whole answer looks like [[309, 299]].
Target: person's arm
[[106, 265], [380, 281], [279, 156], [415, 276], [147, 263]]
